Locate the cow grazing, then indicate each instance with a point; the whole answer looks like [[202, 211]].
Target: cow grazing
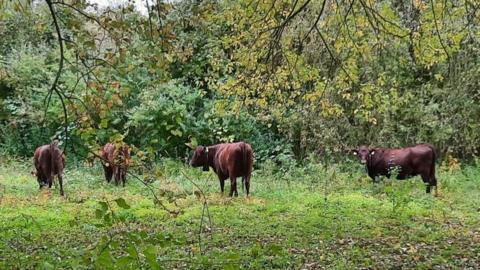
[[228, 160], [115, 162], [409, 162], [49, 162]]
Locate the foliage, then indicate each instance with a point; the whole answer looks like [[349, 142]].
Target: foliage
[[290, 77]]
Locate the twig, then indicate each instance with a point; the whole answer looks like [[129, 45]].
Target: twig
[[204, 209], [83, 13], [54, 87], [438, 33], [156, 199], [332, 55], [149, 20]]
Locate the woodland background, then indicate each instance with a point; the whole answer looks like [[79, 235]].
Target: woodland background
[[292, 78]]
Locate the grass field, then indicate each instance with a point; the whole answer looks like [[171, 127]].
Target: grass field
[[310, 217]]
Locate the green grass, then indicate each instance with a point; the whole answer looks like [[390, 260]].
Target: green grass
[[310, 217]]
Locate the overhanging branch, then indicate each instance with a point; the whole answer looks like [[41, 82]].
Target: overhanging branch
[[54, 86]]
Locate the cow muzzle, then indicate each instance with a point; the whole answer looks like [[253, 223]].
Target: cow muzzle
[[363, 161]]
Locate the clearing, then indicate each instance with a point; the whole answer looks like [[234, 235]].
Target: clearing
[[309, 217]]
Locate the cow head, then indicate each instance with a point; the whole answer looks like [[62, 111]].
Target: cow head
[[200, 157], [363, 153]]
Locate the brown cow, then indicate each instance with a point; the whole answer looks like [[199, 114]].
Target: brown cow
[[49, 161], [115, 163], [228, 160], [409, 162]]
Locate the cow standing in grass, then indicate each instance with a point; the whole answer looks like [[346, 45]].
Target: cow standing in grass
[[409, 162], [228, 160], [115, 162], [49, 162]]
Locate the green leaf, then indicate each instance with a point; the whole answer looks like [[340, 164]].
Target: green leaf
[[104, 260], [114, 244], [99, 213], [124, 262], [104, 206], [47, 266], [107, 219], [177, 132], [104, 123], [151, 256], [275, 249], [122, 203], [230, 266], [233, 256], [131, 250]]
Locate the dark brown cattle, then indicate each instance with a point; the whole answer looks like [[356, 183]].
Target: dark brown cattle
[[49, 162], [228, 160], [115, 163], [409, 162]]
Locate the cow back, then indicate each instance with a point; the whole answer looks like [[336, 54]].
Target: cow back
[[108, 152], [409, 160], [234, 158], [49, 160]]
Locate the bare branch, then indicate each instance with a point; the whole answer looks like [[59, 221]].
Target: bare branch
[[83, 13], [438, 32], [331, 53], [316, 21], [54, 87]]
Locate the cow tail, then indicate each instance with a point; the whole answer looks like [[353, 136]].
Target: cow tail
[[52, 159], [432, 169], [245, 164]]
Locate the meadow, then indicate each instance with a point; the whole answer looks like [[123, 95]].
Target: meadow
[[314, 216]]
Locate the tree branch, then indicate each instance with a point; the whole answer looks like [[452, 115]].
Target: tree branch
[[438, 32], [54, 87]]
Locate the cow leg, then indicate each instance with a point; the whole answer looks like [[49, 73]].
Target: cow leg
[[236, 190], [41, 183], [41, 180], [434, 183], [124, 177], [426, 180], [116, 174], [247, 184], [222, 184], [60, 181], [108, 173], [243, 183], [50, 181], [233, 186]]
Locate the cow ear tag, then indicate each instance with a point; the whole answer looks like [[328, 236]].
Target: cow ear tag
[[372, 153], [205, 167], [354, 153]]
